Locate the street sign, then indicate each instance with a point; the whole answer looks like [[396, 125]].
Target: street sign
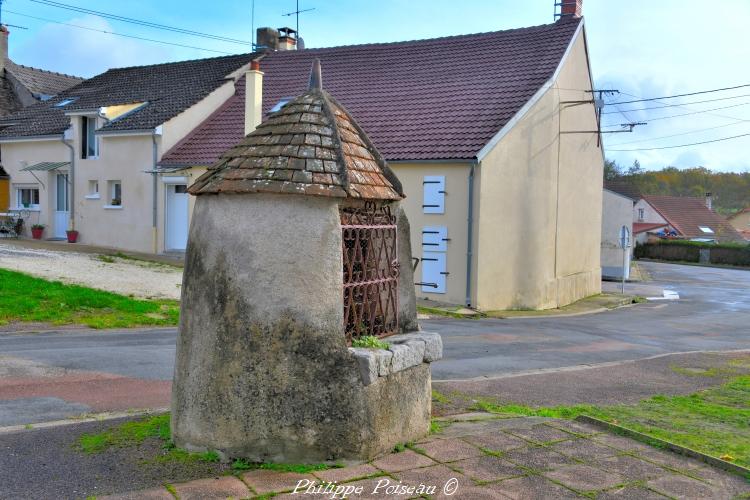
[[624, 237]]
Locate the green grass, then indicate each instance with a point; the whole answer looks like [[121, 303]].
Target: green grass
[[370, 342], [24, 298], [242, 465], [127, 434], [715, 421]]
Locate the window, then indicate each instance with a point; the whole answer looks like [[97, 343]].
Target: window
[[114, 191], [27, 197], [89, 141], [640, 214], [64, 102], [706, 229], [93, 193], [280, 104], [434, 194]]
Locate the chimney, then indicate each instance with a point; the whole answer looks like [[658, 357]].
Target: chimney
[[253, 97], [3, 48], [709, 201], [266, 39], [287, 39], [571, 8]]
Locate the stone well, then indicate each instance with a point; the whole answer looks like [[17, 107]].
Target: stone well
[[264, 370]]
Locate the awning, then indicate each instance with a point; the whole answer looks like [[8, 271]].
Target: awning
[[46, 166]]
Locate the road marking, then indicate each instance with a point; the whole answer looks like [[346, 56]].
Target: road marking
[[89, 417], [666, 295]]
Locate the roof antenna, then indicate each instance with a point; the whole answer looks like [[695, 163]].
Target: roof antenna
[[316, 77]]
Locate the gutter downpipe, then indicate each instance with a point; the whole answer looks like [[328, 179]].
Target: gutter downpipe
[[154, 190], [72, 182], [470, 230]]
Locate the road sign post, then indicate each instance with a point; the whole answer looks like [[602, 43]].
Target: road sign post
[[625, 245]]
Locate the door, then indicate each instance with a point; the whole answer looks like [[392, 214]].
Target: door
[[62, 205], [177, 217]]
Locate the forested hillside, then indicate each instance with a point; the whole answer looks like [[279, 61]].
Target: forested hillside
[[731, 191]]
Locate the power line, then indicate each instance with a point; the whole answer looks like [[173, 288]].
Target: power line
[[675, 105], [690, 109], [684, 145], [669, 96], [139, 22], [681, 133], [693, 113], [116, 34]]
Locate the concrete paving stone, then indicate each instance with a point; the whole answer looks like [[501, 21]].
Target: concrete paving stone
[[212, 488], [461, 429], [270, 481], [531, 488], [543, 434], [621, 442], [630, 493], [733, 483], [439, 477], [344, 474], [470, 417], [496, 441], [449, 450], [631, 467], [538, 458], [670, 459], [585, 478], [404, 460], [580, 428], [149, 494], [487, 468], [584, 449], [680, 486], [366, 487]]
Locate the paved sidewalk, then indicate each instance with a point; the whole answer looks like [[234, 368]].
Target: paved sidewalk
[[478, 456]]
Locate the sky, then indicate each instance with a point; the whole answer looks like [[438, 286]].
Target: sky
[[643, 48]]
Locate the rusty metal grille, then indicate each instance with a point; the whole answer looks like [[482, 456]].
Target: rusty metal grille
[[371, 268]]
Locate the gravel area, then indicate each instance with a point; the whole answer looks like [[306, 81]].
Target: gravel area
[[125, 276]]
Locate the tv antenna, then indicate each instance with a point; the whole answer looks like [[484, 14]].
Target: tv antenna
[[295, 13]]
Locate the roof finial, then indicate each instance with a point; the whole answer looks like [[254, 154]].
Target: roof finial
[[316, 77]]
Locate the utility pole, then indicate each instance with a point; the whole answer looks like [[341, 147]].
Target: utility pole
[[296, 13]]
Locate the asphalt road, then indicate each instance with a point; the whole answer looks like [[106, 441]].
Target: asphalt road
[[55, 375]]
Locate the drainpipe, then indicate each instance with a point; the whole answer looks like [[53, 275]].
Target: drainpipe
[[470, 230], [154, 190], [72, 183]]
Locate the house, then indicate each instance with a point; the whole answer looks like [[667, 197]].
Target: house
[[682, 217], [86, 159], [22, 86], [494, 137], [617, 212], [475, 127], [741, 222]]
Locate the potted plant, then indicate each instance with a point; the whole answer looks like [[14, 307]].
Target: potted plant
[[116, 202], [37, 230], [72, 235]]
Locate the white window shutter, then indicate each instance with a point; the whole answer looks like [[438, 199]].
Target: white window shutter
[[433, 272], [434, 194], [435, 239]]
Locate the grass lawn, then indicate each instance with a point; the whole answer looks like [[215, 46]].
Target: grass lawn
[[715, 421], [24, 298]]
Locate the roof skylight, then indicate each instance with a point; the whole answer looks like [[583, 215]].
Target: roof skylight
[[280, 104], [65, 102], [706, 229]]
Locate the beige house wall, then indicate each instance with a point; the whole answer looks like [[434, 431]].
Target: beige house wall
[[454, 218], [649, 213], [539, 227], [741, 221]]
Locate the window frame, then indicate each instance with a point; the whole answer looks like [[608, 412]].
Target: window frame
[[88, 137], [19, 198], [112, 194]]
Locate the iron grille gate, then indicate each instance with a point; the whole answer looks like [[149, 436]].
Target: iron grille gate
[[371, 268]]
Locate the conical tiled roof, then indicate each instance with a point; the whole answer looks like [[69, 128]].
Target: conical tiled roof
[[310, 146]]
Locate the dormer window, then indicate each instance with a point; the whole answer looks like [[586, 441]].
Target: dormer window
[[89, 141]]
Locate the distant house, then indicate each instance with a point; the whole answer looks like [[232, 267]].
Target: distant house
[[741, 222], [474, 126], [682, 217], [22, 86]]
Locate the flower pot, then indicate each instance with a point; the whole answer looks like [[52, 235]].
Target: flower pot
[[36, 233], [72, 236]]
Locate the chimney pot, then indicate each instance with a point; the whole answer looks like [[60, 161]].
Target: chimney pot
[[571, 8], [254, 65], [709, 201], [253, 97]]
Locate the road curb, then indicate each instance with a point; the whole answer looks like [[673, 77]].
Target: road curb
[[95, 417]]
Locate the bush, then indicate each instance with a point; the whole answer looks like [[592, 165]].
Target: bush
[[734, 254]]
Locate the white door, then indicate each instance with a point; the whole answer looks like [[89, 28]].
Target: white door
[[177, 217], [62, 205]]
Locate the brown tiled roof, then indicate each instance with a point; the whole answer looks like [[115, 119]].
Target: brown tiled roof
[[41, 82], [624, 188], [443, 98], [168, 88], [310, 146], [686, 215], [642, 227]]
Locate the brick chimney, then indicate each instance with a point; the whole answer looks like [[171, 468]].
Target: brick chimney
[[571, 8], [3, 48], [253, 97], [709, 201], [287, 39], [270, 40]]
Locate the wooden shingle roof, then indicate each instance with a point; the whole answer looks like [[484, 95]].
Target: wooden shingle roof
[[310, 146]]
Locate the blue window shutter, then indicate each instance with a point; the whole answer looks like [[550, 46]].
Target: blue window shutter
[[435, 239], [433, 271], [434, 194]]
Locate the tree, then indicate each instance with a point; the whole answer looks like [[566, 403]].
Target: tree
[[612, 171], [635, 168]]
